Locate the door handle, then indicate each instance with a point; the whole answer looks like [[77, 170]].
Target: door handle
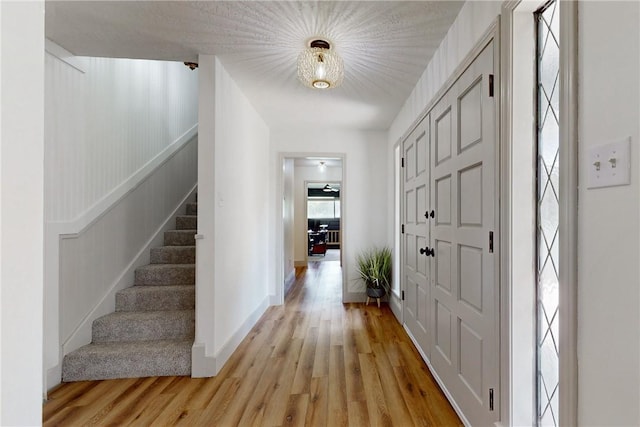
[[428, 251]]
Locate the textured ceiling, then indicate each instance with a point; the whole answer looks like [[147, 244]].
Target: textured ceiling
[[385, 47]]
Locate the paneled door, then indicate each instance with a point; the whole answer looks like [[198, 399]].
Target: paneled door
[[464, 294], [416, 234]]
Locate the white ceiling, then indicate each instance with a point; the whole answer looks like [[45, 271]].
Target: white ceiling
[[385, 46]]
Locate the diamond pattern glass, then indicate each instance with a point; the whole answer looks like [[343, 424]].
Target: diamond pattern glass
[[548, 144]]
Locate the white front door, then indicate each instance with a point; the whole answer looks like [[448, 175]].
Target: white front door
[[415, 275], [464, 295]]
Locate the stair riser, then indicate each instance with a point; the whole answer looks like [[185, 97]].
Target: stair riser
[[114, 329], [170, 275], [173, 255], [187, 223], [192, 208], [180, 238], [156, 360], [156, 298]]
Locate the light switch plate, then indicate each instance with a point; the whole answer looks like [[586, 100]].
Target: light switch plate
[[609, 164]]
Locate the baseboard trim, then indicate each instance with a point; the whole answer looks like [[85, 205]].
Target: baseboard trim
[[351, 297], [288, 282], [232, 343], [54, 378], [274, 300], [203, 366]]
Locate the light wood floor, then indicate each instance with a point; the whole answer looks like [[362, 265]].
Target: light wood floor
[[313, 362]]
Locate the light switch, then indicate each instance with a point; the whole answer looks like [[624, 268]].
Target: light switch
[[609, 164]]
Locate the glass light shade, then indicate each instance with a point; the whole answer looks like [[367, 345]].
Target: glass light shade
[[320, 68]]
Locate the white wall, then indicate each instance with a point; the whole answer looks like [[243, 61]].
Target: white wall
[[304, 174], [105, 119], [474, 19], [241, 168], [235, 227], [365, 167], [21, 213], [120, 155], [608, 223]]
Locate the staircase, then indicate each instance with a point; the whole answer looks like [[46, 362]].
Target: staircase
[[152, 331]]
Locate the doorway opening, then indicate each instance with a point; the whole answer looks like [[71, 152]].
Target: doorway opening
[[323, 221], [311, 222]]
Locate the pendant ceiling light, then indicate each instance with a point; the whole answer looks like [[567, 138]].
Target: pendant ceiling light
[[319, 66], [328, 189]]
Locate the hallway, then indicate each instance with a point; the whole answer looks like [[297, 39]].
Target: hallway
[[312, 361]]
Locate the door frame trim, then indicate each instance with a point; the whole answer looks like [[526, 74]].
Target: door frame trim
[[568, 212], [568, 230], [278, 298]]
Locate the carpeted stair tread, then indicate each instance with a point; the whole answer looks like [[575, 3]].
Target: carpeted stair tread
[[187, 222], [173, 255], [128, 360], [156, 298], [166, 274], [192, 208], [152, 331], [144, 326], [180, 237]]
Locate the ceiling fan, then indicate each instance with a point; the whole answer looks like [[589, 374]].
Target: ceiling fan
[[328, 189]]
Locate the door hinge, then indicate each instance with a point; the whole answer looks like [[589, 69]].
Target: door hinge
[[402, 228], [491, 85], [402, 162], [491, 242], [491, 399], [402, 295]]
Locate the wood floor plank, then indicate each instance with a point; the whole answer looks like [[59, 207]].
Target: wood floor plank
[[66, 395], [217, 406], [277, 403], [321, 359], [177, 408], [378, 409], [393, 396], [312, 361], [353, 375], [337, 407], [318, 402], [296, 412], [302, 380], [337, 325], [132, 404], [256, 405], [238, 405], [358, 414]]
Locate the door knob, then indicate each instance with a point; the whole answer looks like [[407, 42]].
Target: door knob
[[427, 251]]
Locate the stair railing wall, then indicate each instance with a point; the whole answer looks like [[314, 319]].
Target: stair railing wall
[[120, 161]]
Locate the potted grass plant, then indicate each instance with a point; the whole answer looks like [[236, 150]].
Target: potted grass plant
[[374, 267]]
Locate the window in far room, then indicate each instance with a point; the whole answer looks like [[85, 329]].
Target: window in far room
[[323, 207]]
